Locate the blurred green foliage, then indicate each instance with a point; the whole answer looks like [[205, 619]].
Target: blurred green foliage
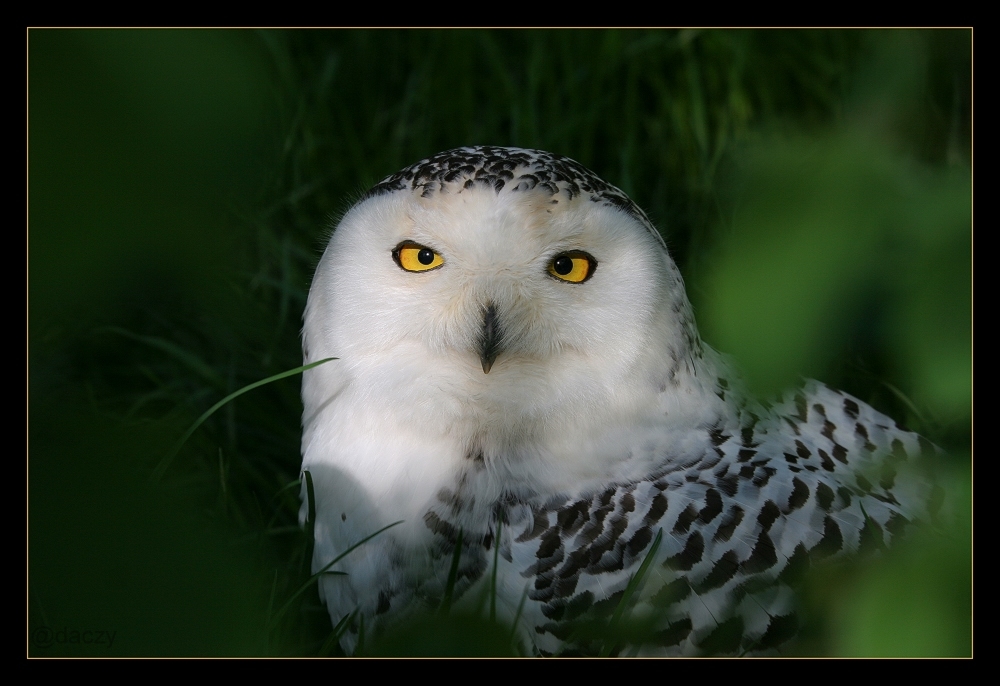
[[814, 187]]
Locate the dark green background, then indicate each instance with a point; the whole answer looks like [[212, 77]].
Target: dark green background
[[814, 187]]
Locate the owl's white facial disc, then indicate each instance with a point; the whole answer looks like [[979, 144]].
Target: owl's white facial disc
[[409, 401]]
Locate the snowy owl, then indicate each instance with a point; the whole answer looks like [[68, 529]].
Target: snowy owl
[[520, 384]]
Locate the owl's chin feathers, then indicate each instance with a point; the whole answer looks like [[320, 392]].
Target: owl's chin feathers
[[404, 430]]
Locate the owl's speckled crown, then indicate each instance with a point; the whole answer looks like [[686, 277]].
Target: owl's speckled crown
[[511, 169]]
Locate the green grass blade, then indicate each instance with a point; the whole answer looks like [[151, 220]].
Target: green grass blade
[[452, 576], [315, 577], [310, 521], [191, 361], [517, 616], [289, 486], [359, 649], [633, 585], [873, 529], [905, 399], [161, 468], [337, 633], [493, 578]]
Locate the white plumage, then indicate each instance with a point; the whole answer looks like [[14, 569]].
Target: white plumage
[[515, 347]]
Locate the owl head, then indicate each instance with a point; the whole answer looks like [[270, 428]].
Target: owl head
[[503, 301]]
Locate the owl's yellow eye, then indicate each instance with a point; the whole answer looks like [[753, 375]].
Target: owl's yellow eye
[[575, 267], [414, 257]]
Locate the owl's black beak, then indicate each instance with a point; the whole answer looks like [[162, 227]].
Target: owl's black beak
[[489, 341]]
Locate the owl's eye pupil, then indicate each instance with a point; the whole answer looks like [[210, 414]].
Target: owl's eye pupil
[[425, 256], [563, 265]]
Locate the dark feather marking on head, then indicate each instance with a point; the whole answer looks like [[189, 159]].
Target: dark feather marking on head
[[512, 169]]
